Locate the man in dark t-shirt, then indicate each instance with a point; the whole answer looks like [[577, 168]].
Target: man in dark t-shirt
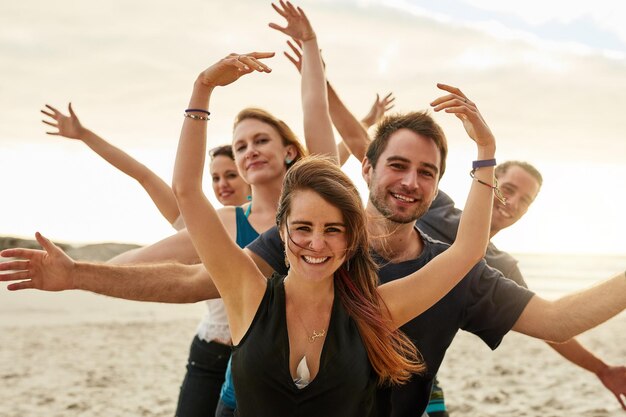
[[402, 171], [520, 183]]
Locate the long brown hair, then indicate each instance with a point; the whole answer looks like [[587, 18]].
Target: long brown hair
[[392, 355]]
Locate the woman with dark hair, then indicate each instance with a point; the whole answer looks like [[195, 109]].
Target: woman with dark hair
[[229, 187]]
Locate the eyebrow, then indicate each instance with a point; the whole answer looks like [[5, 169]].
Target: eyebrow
[[516, 188], [394, 158], [308, 223]]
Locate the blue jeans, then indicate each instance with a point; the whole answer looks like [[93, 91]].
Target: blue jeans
[[200, 390]]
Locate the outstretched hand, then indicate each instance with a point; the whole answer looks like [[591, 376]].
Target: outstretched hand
[[378, 109], [229, 69], [298, 25], [68, 126], [458, 104], [614, 379], [48, 270]]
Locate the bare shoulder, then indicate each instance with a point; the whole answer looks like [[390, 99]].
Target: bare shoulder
[[228, 217]]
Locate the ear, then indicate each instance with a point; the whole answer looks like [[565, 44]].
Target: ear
[[366, 170], [290, 153]]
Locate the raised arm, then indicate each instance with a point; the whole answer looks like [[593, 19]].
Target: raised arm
[[158, 190], [378, 110], [318, 131], [355, 138], [408, 297], [238, 280], [52, 270]]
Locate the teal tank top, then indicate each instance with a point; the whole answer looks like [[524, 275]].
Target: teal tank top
[[245, 235]]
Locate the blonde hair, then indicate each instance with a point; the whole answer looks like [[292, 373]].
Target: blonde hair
[[284, 131]]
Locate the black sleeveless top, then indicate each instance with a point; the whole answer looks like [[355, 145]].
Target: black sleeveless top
[[345, 384]]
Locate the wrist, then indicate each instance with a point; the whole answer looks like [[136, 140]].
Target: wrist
[[203, 86], [74, 274], [85, 135], [600, 369], [486, 152], [311, 37]]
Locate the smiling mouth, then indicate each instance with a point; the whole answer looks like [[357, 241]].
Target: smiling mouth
[[403, 198], [504, 213], [254, 165], [315, 260]]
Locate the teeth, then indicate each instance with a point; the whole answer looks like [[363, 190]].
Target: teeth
[[504, 213], [403, 198], [312, 260]]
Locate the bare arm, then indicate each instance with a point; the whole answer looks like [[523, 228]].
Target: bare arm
[[562, 319], [408, 297], [344, 153], [158, 190], [318, 131], [347, 125], [52, 270], [237, 278], [612, 377], [354, 135]]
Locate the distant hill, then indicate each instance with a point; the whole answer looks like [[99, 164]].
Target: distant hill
[[98, 252]]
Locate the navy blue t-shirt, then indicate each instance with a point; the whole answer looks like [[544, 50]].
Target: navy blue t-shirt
[[484, 302], [441, 222]]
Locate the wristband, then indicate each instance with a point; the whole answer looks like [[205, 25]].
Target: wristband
[[208, 113], [482, 163]]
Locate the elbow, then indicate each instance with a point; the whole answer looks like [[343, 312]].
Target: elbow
[[183, 190]]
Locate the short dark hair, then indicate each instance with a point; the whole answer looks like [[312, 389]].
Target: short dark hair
[[420, 123], [223, 150], [502, 168]]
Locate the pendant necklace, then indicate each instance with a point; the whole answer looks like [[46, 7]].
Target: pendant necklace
[[313, 335]]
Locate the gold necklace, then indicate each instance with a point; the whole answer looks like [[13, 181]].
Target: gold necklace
[[315, 334]]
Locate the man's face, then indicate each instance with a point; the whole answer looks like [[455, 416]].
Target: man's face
[[520, 189], [404, 182]]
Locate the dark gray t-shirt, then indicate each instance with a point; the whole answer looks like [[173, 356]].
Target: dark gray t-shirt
[[441, 222]]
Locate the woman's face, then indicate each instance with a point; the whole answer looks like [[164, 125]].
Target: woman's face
[[228, 186], [259, 151], [315, 236]]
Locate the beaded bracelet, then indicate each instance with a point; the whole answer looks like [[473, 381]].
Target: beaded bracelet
[[496, 191], [194, 117]]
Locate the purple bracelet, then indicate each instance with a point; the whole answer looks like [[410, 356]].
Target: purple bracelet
[[208, 113], [481, 163]]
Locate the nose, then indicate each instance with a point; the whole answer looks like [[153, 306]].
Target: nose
[[222, 183], [251, 151], [317, 242], [409, 180], [512, 201]]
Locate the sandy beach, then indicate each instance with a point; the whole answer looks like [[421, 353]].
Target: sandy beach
[[78, 354], [81, 354]]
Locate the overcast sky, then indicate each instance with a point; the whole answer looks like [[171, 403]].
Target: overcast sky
[[548, 78]]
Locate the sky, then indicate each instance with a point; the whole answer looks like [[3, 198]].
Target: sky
[[547, 76]]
